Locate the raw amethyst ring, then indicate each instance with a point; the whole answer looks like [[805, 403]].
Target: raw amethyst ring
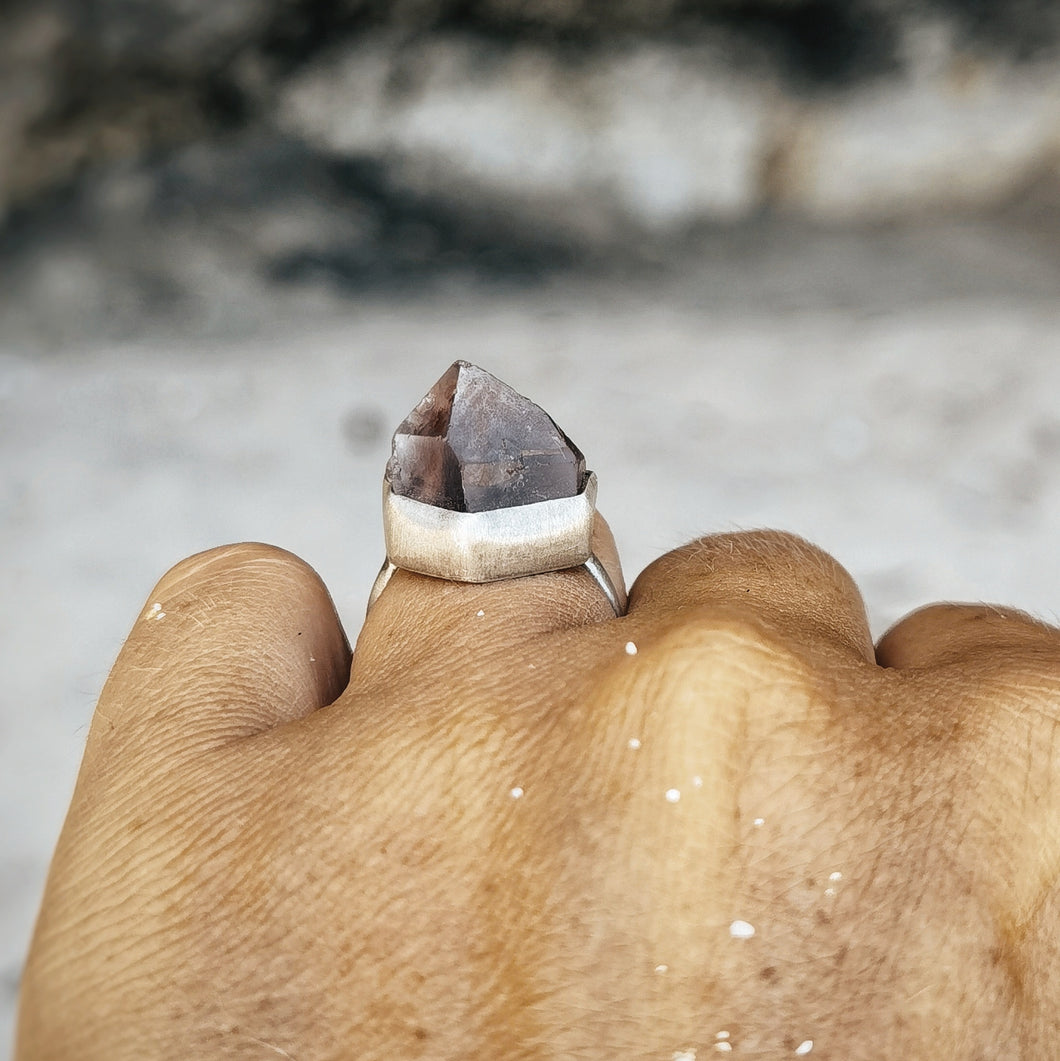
[[482, 486]]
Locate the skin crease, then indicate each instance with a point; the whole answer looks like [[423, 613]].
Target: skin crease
[[248, 873]]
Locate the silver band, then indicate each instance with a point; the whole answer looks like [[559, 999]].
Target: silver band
[[592, 565], [490, 546]]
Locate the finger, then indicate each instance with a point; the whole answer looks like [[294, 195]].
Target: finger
[[987, 682], [770, 577], [417, 619], [231, 642], [943, 634]]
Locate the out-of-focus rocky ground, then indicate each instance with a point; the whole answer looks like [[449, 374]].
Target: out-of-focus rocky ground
[[161, 159], [777, 263]]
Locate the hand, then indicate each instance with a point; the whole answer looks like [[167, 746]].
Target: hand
[[508, 836]]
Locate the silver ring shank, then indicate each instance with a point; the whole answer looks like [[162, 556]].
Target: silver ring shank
[[603, 580], [592, 565]]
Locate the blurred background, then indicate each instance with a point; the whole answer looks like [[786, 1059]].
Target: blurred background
[[778, 262]]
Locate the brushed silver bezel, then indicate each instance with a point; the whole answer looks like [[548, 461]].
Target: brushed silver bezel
[[489, 546]]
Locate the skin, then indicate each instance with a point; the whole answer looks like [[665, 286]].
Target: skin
[[269, 854]]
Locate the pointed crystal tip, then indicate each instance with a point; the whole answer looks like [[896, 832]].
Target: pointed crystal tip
[[473, 445]]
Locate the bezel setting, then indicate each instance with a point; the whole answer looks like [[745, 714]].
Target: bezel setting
[[489, 546]]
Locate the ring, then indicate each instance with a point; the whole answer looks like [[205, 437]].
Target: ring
[[482, 485]]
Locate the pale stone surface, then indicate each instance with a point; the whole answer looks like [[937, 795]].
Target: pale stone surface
[[474, 445], [651, 134], [662, 136], [954, 132], [661, 117]]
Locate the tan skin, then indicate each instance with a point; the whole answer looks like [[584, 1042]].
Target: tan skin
[[246, 872]]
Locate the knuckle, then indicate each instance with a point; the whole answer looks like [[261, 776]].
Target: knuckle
[[226, 561], [766, 575], [777, 548], [708, 694], [249, 576], [970, 637]]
